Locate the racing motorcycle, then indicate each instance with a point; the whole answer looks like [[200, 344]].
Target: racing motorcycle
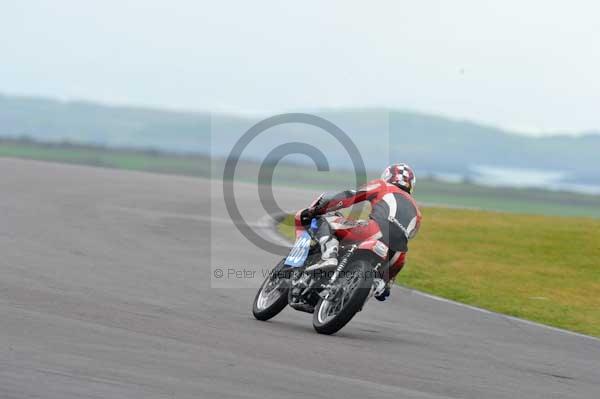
[[332, 296]]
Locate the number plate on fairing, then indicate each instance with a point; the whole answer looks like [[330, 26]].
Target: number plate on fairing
[[299, 252]]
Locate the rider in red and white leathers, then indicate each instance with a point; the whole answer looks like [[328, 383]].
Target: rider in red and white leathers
[[394, 219]]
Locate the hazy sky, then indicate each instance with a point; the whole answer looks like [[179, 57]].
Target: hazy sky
[[530, 65]]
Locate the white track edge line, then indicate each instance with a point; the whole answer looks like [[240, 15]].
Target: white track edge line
[[529, 322]]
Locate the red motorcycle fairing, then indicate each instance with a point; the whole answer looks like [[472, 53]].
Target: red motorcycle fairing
[[373, 245]]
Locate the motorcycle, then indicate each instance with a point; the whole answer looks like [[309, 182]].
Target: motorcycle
[[332, 296]]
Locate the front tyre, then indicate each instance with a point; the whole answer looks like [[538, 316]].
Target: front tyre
[[272, 296], [331, 315]]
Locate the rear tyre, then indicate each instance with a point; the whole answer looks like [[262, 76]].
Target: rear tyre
[[330, 316], [272, 296]]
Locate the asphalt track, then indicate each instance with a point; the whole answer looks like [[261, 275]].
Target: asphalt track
[[105, 292]]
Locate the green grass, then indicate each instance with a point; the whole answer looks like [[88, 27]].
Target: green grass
[[103, 157], [540, 268]]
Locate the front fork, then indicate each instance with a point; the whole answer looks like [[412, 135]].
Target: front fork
[[331, 290]]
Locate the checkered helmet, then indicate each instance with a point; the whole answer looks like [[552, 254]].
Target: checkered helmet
[[401, 175]]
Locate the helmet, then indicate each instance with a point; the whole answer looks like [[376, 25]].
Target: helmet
[[401, 175]]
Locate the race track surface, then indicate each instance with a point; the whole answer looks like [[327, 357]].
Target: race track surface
[[105, 292]]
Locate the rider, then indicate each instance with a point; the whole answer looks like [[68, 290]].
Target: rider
[[394, 219]]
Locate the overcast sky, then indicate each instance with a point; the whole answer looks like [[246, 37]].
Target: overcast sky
[[529, 65]]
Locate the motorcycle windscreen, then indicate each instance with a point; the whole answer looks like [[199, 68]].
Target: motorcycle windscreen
[[299, 252]]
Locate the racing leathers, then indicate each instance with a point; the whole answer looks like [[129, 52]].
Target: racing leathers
[[394, 219]]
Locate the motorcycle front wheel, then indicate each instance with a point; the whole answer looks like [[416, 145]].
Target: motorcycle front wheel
[[272, 296]]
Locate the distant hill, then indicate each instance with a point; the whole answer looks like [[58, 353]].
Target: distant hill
[[434, 145], [49, 120]]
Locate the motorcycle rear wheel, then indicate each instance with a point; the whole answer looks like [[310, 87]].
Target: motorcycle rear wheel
[[331, 316]]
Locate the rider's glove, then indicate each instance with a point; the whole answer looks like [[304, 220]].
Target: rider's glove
[[306, 216]]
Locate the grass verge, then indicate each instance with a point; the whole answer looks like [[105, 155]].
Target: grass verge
[[540, 268]]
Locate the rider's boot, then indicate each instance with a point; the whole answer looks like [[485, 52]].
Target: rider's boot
[[329, 254], [382, 289]]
